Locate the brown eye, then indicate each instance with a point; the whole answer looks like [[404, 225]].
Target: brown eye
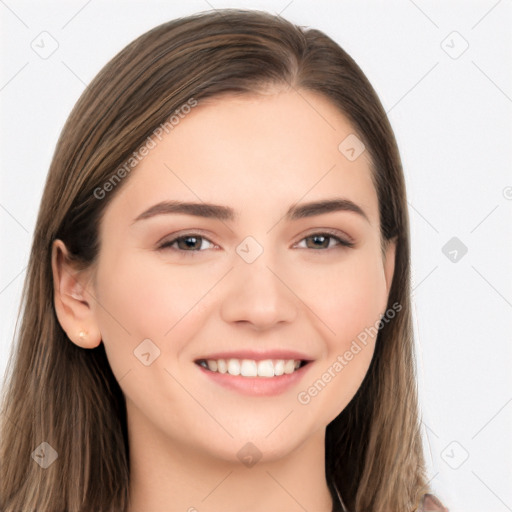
[[319, 241], [189, 242]]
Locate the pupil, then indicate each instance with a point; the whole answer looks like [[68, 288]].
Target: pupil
[[320, 238], [194, 242]]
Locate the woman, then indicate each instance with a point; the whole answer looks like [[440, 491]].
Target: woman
[[217, 309]]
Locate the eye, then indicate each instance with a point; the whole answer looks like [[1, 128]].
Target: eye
[[323, 241], [191, 242]]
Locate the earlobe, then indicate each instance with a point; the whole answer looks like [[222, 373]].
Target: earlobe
[[71, 300]]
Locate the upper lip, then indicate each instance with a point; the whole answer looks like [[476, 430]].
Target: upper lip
[[257, 355]]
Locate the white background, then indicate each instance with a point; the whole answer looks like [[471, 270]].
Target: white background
[[452, 119]]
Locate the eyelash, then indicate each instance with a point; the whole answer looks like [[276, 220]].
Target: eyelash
[[168, 245]]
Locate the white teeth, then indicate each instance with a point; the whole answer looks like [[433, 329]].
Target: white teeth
[[234, 367], [265, 368], [248, 368], [289, 366], [251, 368], [222, 367], [279, 367]]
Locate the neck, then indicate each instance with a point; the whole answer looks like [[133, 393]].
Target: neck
[[170, 476]]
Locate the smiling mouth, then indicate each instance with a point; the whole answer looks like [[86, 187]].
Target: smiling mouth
[[266, 368]]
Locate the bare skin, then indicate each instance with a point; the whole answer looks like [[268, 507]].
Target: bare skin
[[258, 155]]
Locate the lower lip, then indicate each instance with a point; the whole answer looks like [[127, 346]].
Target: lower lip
[[257, 386]]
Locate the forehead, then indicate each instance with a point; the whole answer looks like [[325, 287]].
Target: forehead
[[266, 150]]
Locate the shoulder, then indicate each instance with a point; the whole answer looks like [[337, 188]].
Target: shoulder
[[430, 503]]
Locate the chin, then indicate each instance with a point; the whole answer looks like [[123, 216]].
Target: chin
[[250, 450]]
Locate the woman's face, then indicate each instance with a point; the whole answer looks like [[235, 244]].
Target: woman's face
[[256, 275]]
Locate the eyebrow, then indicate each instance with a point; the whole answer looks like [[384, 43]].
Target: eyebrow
[[225, 213]]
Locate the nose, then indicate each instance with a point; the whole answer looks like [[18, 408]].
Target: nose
[[257, 295]]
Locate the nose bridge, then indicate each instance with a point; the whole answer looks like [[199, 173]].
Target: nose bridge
[[255, 293]]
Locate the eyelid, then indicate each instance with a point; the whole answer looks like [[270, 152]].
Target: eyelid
[[172, 237]]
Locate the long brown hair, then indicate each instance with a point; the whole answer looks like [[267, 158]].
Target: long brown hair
[[59, 393]]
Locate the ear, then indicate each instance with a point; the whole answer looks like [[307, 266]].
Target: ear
[[389, 263], [72, 301]]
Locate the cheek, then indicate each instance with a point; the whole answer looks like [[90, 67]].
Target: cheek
[[347, 297], [138, 301]]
